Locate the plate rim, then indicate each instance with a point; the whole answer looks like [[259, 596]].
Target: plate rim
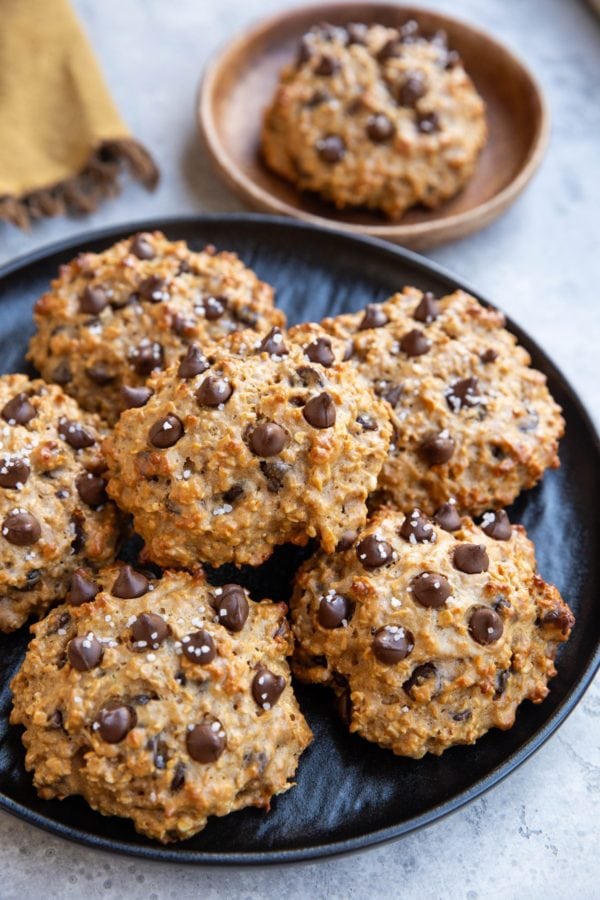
[[322, 850], [418, 234]]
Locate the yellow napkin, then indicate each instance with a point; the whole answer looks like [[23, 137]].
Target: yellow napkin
[[62, 141]]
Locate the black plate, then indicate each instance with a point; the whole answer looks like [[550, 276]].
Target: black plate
[[349, 793]]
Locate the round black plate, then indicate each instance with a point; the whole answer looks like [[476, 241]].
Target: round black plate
[[349, 793]]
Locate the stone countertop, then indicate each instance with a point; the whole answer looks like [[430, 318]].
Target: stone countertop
[[535, 834]]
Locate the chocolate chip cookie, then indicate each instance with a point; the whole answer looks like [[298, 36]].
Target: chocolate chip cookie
[[54, 512], [376, 117], [267, 441], [473, 421], [430, 634], [113, 318], [164, 701]]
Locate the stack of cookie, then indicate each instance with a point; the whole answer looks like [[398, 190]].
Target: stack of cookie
[[376, 435]]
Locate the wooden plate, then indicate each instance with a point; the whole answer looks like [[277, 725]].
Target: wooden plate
[[239, 83]]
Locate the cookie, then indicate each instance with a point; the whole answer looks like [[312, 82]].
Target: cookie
[[375, 117], [113, 318], [473, 421], [429, 637], [54, 512], [268, 441], [164, 701]]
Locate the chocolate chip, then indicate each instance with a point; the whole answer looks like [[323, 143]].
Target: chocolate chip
[[488, 356], [148, 357], [82, 589], [305, 51], [129, 584], [463, 393], [497, 525], [149, 631], [501, 682], [428, 309], [115, 724], [166, 432], [93, 300], [320, 352], [78, 525], [178, 778], [56, 719], [357, 33], [317, 99], [267, 688], [414, 343], [231, 606], [141, 247], [153, 289], [392, 49], [214, 391], [374, 552], [485, 625], [327, 66], [420, 675], [308, 377], [267, 439], [134, 397], [275, 473], [389, 391], [392, 643], [320, 411], [331, 148], [99, 374], [85, 653], [334, 610], [417, 529], [205, 743], [437, 449], [61, 373], [430, 589], [374, 317], [273, 343], [91, 489], [367, 422], [380, 129], [19, 410], [447, 517], [349, 351], [199, 647], [75, 434], [428, 123], [465, 715], [21, 528], [411, 90], [214, 307], [233, 493], [470, 558], [346, 541], [13, 472], [193, 363]]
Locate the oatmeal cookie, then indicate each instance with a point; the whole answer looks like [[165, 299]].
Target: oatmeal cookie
[[375, 117], [54, 512], [472, 420], [429, 637], [268, 441], [163, 701], [113, 318]]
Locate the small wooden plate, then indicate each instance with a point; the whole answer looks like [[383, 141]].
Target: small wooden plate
[[239, 83]]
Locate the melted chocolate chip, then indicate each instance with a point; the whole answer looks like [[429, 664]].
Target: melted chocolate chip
[[115, 724], [417, 529], [437, 449], [420, 676], [320, 352], [78, 524], [317, 99], [380, 129], [214, 391], [320, 411], [471, 559], [497, 525], [447, 517], [233, 493], [141, 247], [231, 607], [463, 393], [414, 343], [21, 528], [148, 357], [82, 589], [331, 148], [267, 439], [485, 625], [205, 743], [267, 688], [13, 473], [193, 363], [391, 644], [501, 682], [61, 373], [93, 300], [85, 653], [153, 289], [273, 343], [134, 397], [428, 123], [367, 422], [428, 309], [346, 541], [199, 647], [149, 631], [100, 375], [129, 584], [411, 90], [374, 317], [333, 610], [275, 473], [75, 434], [389, 391], [465, 715], [374, 552], [178, 779], [430, 589], [91, 489], [488, 356], [19, 410], [166, 432], [327, 66]]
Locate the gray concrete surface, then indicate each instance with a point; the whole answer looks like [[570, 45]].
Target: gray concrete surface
[[536, 834]]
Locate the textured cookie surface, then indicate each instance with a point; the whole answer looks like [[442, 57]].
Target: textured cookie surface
[[270, 442], [165, 701], [112, 318], [472, 420], [375, 117], [429, 637], [54, 512]]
